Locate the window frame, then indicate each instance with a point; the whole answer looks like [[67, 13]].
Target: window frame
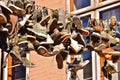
[[94, 6]]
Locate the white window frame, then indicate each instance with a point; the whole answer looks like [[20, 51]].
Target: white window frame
[[95, 5]]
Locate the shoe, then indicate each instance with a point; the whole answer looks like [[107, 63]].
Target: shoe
[[25, 18], [90, 47], [80, 40], [52, 24], [59, 61], [43, 51], [5, 9], [44, 11], [5, 61], [16, 10], [3, 29], [38, 31], [44, 20], [111, 38], [115, 59], [16, 56], [77, 22], [3, 19], [111, 51], [81, 65], [30, 47], [19, 4], [22, 42], [64, 54], [116, 47], [75, 46], [48, 40], [62, 15], [30, 38], [111, 69], [55, 14], [100, 47], [95, 37], [27, 63]]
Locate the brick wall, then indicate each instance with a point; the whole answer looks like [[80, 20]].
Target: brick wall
[[46, 68]]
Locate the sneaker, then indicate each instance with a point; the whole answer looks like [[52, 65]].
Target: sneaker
[[27, 63], [75, 46], [16, 10], [80, 40], [59, 61], [38, 31]]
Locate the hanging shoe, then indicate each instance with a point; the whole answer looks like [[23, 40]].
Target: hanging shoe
[[3, 29], [84, 32], [77, 22], [75, 46], [45, 20], [30, 38], [25, 19], [80, 40], [5, 9], [16, 10], [55, 14], [52, 24], [48, 40], [19, 4], [81, 65], [116, 47], [111, 51], [27, 63], [38, 31], [3, 19], [59, 61]]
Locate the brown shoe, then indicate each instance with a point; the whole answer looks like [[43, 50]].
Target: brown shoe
[[52, 24], [16, 10], [3, 19], [59, 61]]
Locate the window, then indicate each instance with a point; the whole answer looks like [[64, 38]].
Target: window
[[110, 12], [81, 3]]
